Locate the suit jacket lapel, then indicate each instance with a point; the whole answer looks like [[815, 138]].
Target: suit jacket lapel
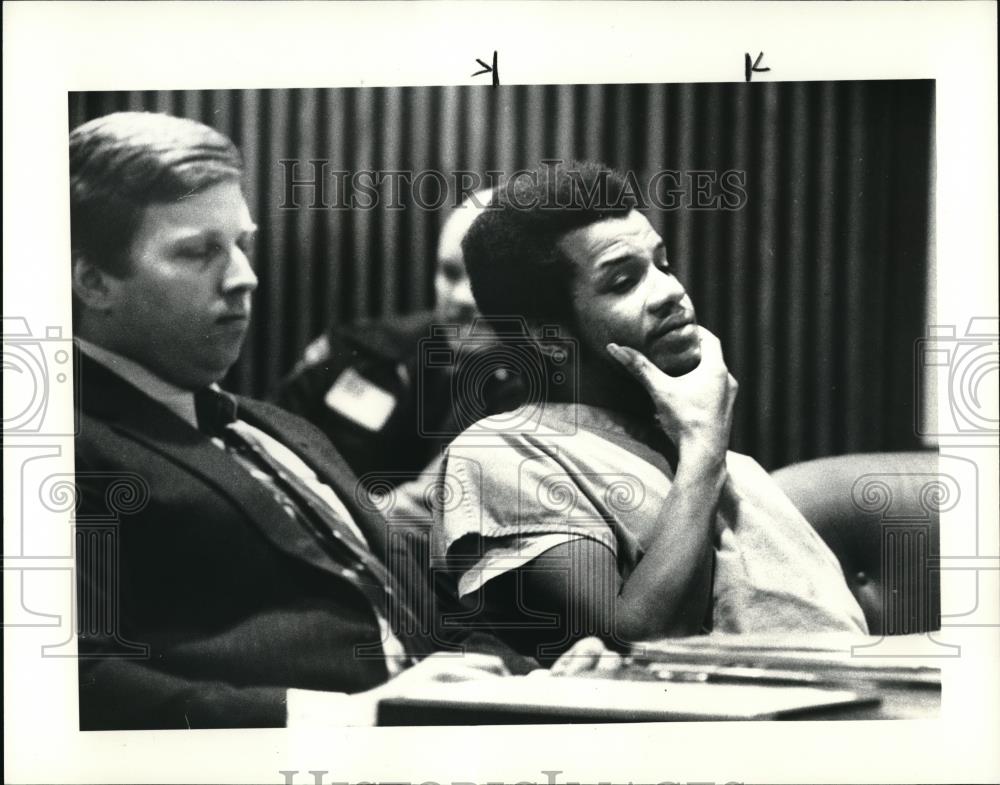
[[321, 456], [409, 576], [317, 451], [129, 411]]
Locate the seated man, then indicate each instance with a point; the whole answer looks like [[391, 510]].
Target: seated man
[[619, 513], [368, 387], [227, 575]]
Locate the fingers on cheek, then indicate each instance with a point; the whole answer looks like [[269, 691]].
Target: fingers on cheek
[[711, 344], [634, 361]]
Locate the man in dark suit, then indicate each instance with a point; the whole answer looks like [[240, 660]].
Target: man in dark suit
[[228, 572]]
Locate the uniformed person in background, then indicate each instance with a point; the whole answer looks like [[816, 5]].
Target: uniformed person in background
[[391, 393]]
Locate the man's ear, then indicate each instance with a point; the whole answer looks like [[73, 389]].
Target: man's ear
[[92, 286]]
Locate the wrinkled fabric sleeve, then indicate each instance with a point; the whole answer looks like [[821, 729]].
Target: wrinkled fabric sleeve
[[508, 503]]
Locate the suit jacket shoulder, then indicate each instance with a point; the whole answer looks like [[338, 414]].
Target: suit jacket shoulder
[[201, 602]]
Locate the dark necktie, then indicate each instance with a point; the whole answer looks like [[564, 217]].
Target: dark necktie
[[216, 412]]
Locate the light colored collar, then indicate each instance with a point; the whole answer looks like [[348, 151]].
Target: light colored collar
[[177, 399], [598, 418]]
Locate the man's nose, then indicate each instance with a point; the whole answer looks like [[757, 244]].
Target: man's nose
[[462, 294], [667, 292], [239, 274]]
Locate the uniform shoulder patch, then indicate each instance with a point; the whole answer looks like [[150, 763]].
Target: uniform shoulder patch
[[360, 400]]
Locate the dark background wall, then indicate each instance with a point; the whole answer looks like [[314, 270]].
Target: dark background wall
[[817, 286]]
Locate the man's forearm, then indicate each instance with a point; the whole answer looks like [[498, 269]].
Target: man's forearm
[[669, 591]]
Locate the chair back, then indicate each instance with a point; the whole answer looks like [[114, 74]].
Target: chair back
[[877, 513]]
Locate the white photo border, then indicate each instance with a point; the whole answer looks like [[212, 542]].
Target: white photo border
[[51, 49]]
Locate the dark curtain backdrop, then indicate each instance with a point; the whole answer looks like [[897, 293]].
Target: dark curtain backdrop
[[817, 286]]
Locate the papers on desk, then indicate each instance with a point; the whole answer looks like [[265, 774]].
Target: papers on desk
[[820, 659], [554, 699]]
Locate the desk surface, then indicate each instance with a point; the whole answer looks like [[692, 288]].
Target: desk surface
[[697, 679], [509, 702]]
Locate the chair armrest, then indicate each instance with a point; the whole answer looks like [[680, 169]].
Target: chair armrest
[[875, 513]]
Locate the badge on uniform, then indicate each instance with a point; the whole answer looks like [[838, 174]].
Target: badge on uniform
[[360, 400]]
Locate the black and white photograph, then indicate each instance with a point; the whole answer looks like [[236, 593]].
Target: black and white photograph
[[547, 415]]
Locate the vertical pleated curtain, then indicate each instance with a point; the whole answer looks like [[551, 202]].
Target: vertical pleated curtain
[[817, 286]]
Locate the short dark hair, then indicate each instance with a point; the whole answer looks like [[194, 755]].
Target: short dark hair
[[121, 163], [512, 252]]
